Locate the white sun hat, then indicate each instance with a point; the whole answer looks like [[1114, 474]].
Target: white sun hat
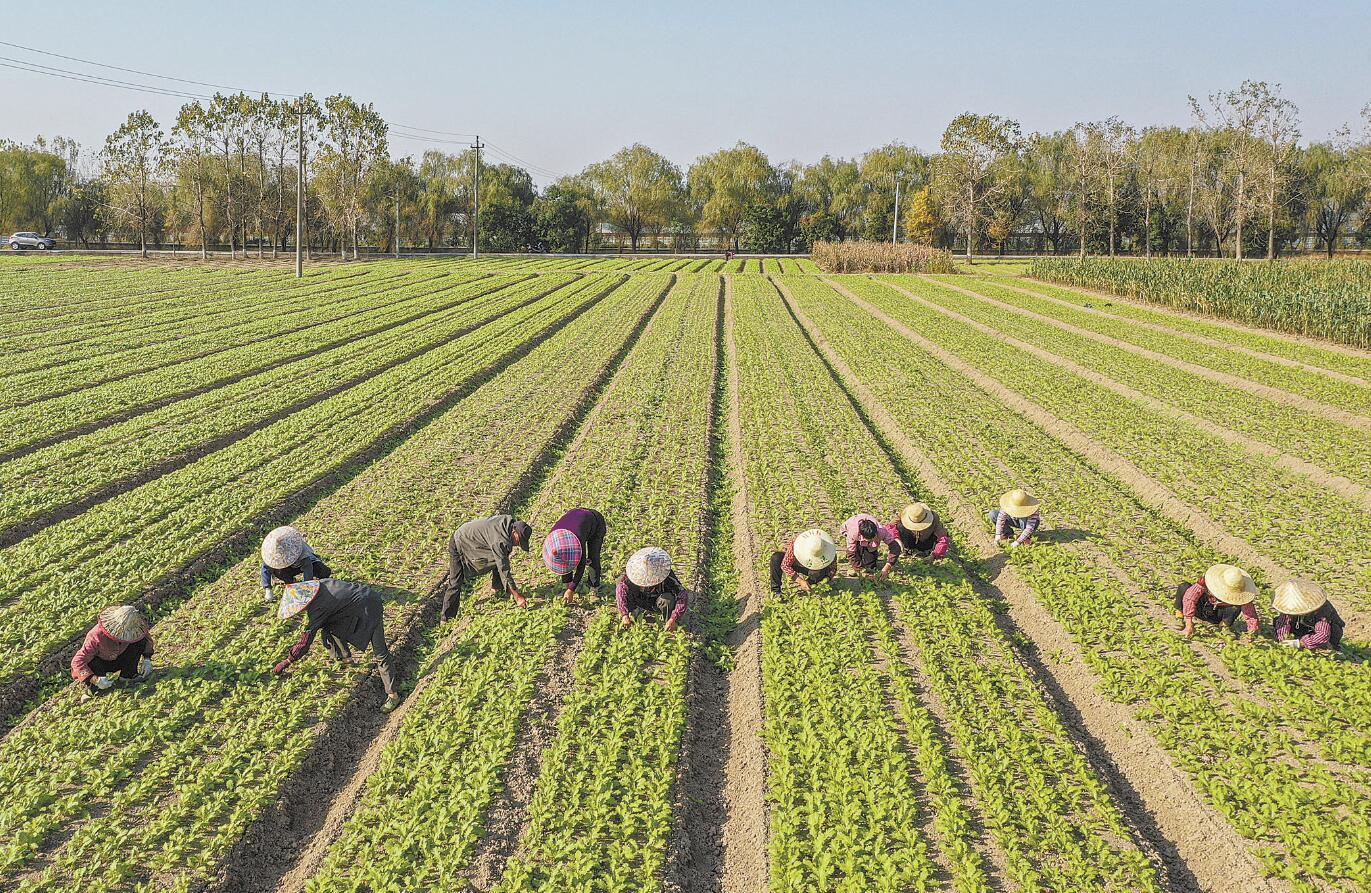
[[1230, 585], [282, 548], [1298, 596], [648, 567], [814, 549]]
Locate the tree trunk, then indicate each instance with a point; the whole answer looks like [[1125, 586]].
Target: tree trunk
[[1271, 220]]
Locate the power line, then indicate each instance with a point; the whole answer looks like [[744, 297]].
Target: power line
[[20, 65]]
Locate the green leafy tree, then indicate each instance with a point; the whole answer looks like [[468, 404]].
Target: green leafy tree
[[1333, 187], [132, 162], [636, 191], [726, 185], [764, 230], [969, 175], [881, 170], [564, 216]]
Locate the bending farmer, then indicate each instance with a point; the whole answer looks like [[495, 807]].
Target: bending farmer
[[118, 643], [1305, 618], [1220, 597], [921, 532], [649, 584], [1018, 511], [572, 549], [349, 615], [864, 537], [807, 559], [288, 558], [483, 546]]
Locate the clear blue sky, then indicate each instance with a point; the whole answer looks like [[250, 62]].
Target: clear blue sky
[[563, 84]]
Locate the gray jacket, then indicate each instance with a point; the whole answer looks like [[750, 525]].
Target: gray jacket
[[485, 544]]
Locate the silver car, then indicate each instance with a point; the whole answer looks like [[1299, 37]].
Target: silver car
[[19, 241]]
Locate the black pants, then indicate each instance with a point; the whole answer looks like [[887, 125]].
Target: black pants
[[663, 604], [1223, 615], [385, 664], [778, 575], [126, 663], [866, 559]]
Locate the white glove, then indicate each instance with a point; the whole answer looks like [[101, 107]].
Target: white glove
[[145, 667], [267, 595], [102, 682], [1291, 643]]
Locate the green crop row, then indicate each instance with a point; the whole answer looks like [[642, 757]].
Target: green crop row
[[1323, 298], [1111, 588], [1300, 380], [1306, 434], [77, 466], [153, 796], [115, 550], [1281, 513], [834, 749]]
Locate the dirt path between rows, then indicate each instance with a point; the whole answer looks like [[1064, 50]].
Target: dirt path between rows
[[1212, 343], [745, 830], [1257, 331], [1265, 391], [1197, 848], [1336, 483]]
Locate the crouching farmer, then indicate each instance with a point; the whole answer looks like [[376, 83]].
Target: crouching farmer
[[1018, 512], [118, 643], [808, 558], [1305, 618], [921, 532], [288, 558], [649, 584], [1223, 595], [349, 615], [865, 536]]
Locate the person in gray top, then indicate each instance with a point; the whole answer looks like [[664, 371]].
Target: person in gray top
[[481, 546]]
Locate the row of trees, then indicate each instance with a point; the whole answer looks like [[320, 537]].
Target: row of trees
[[1236, 181]]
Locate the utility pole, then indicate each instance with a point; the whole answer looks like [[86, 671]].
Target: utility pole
[[895, 224], [397, 221], [300, 197], [476, 201]]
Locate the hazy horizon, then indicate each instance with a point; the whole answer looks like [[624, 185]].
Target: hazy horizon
[[560, 87]]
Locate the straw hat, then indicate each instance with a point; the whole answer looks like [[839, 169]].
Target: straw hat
[[123, 623], [561, 551], [1298, 597], [648, 567], [1018, 504], [282, 548], [917, 516], [1230, 585], [297, 598], [814, 549]]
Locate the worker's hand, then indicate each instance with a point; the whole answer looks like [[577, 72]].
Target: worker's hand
[[267, 595], [627, 621], [999, 540], [803, 584], [1291, 642], [885, 571], [569, 597], [519, 598], [1189, 629], [281, 667], [671, 624], [102, 682], [145, 667]]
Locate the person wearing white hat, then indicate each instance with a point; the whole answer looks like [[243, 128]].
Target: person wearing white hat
[[808, 558], [865, 536], [288, 558], [118, 643], [1220, 597], [349, 615], [921, 532], [1305, 618], [1018, 510], [648, 583]]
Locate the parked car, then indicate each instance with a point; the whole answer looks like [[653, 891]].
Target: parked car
[[31, 240]]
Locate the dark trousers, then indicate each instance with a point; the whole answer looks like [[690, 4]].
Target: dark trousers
[[865, 559], [126, 663], [385, 664], [1223, 615], [662, 604], [456, 578], [777, 575]]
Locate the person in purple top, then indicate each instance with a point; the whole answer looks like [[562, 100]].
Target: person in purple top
[[572, 549]]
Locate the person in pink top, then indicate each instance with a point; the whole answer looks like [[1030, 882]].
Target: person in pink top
[[865, 536], [118, 643], [1224, 594]]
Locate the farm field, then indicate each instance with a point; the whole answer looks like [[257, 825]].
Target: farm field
[[1024, 719]]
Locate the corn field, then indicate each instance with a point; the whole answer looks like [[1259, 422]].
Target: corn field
[[1323, 298], [880, 257]]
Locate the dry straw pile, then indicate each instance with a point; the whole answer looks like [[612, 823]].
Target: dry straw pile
[[880, 257]]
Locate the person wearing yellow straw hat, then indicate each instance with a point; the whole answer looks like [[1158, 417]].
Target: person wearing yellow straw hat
[[921, 532], [648, 583], [1018, 511], [349, 615], [1305, 618], [1220, 597], [808, 558], [118, 643]]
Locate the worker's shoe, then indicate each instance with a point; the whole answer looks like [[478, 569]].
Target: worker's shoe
[[391, 703]]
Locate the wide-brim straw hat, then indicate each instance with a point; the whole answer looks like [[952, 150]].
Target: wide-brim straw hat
[[282, 548], [1230, 585], [648, 567], [1019, 504], [123, 623], [297, 598], [1298, 596], [917, 516], [814, 549], [561, 551]]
